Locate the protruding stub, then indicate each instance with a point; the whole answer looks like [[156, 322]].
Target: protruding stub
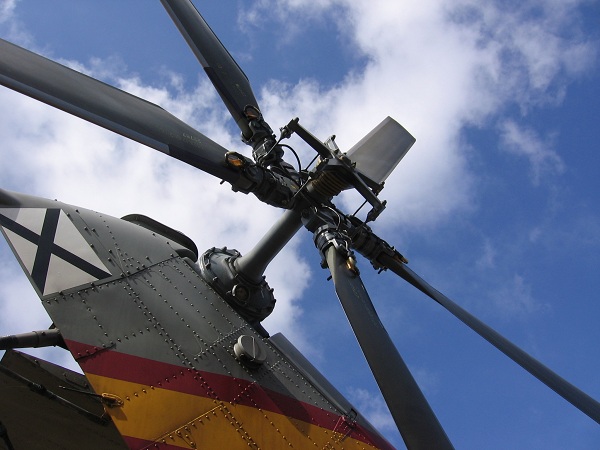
[[35, 339], [351, 265], [249, 351], [234, 159], [241, 294], [111, 400]]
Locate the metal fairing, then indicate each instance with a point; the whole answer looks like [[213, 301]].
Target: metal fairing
[[157, 341]]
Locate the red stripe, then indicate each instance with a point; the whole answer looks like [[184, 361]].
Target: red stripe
[[121, 366]]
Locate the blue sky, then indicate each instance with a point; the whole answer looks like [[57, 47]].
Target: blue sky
[[497, 204]]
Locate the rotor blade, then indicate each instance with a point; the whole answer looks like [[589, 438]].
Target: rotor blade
[[416, 422], [111, 108], [224, 73], [572, 394], [378, 153]]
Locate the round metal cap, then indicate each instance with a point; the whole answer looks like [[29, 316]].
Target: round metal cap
[[250, 351]]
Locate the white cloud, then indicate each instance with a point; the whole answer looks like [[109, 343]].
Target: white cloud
[[10, 26], [523, 141], [7, 8], [515, 299], [487, 260]]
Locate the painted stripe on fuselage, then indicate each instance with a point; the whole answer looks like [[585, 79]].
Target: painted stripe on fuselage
[[160, 398], [189, 421]]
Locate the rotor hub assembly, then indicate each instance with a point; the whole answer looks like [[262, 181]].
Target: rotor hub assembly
[[253, 301]]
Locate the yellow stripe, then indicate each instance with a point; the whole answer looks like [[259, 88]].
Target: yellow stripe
[[190, 421]]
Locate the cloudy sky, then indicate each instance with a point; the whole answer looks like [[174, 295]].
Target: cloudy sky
[[497, 203]]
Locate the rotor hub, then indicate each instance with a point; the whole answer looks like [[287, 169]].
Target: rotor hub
[[254, 301]]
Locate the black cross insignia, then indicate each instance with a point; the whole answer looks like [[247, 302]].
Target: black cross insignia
[[46, 248]]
